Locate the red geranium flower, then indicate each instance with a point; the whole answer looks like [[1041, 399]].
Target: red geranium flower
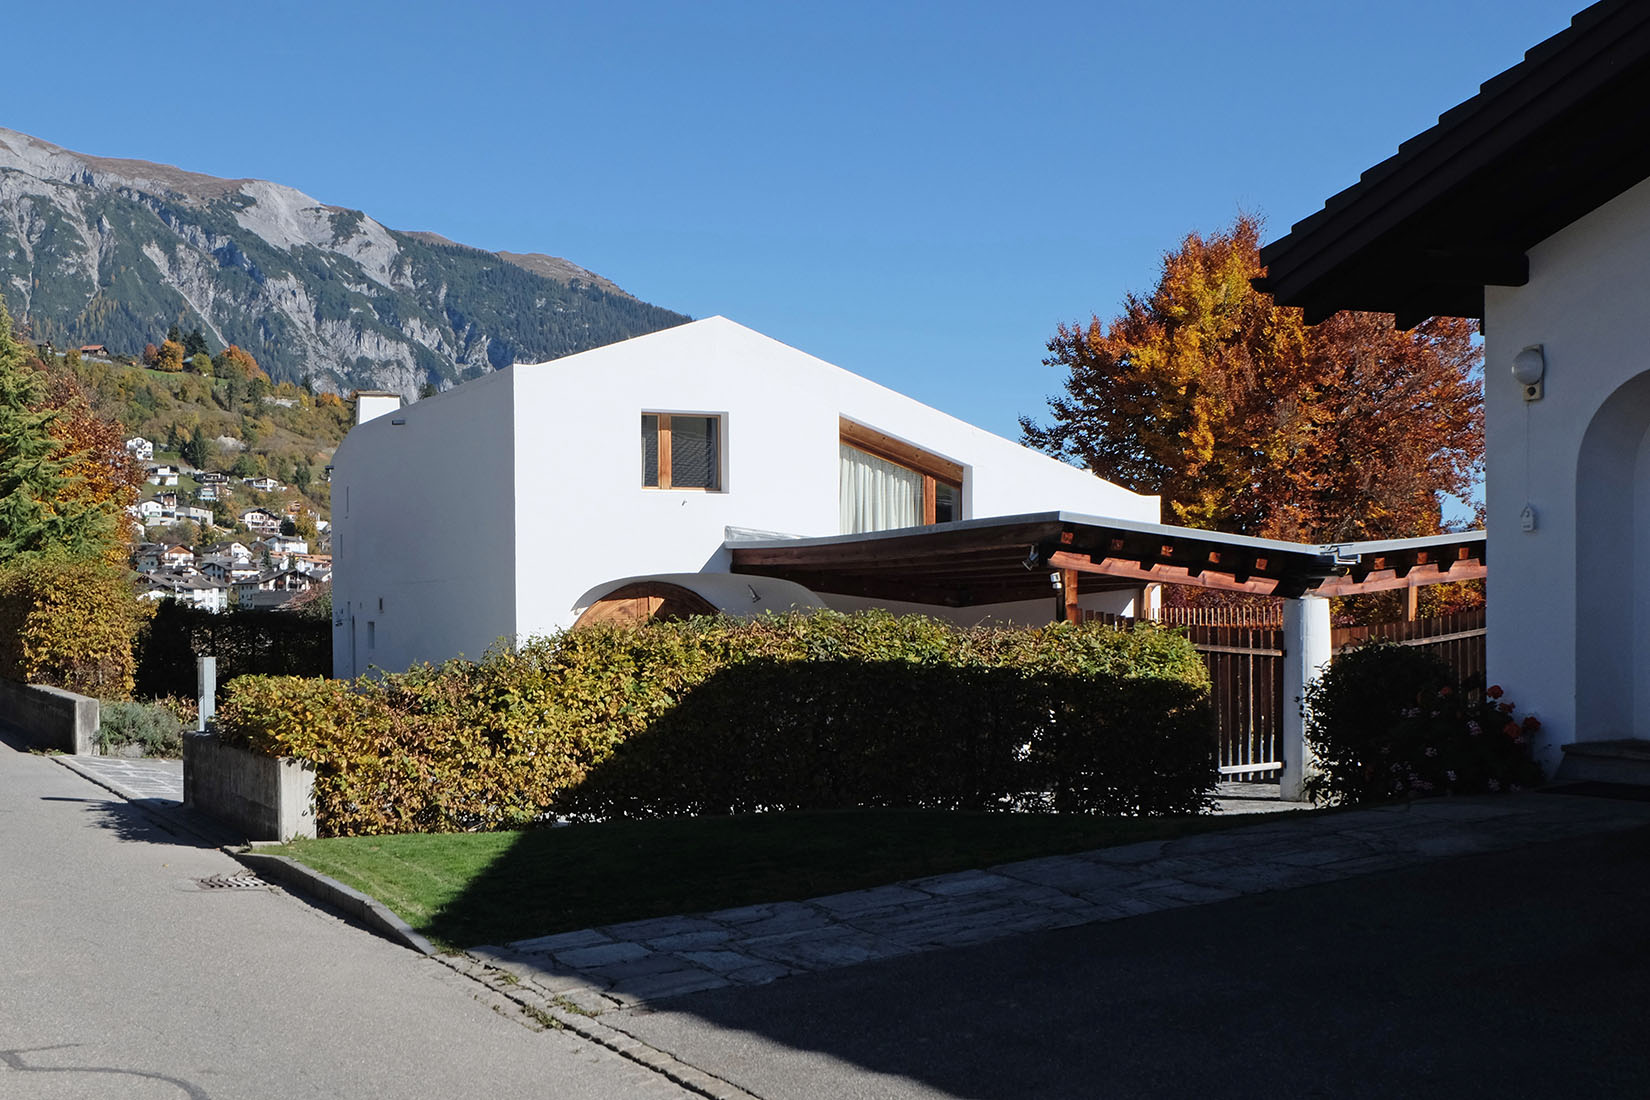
[[1511, 730], [1531, 724], [1494, 691]]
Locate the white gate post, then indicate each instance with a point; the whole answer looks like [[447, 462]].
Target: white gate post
[[206, 688], [1306, 651]]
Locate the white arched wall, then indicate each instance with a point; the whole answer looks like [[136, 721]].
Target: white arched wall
[[1613, 567]]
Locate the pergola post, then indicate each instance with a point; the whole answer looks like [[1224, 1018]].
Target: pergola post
[[1306, 652]]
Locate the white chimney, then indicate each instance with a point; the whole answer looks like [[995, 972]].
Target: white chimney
[[374, 403]]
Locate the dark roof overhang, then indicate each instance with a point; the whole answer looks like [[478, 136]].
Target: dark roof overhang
[[1458, 207], [1008, 559]]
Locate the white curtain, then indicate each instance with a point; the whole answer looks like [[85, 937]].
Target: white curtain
[[878, 495]]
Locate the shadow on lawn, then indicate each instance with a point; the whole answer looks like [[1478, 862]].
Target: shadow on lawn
[[765, 736]]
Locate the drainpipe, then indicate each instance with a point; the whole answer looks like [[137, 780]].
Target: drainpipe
[[1306, 653]]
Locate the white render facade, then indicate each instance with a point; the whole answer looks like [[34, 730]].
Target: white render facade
[[505, 506], [1569, 602]]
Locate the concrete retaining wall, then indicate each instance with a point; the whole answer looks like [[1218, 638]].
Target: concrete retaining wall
[[51, 718], [267, 798]]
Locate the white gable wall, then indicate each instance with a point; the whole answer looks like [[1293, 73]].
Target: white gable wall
[[1569, 603], [583, 516], [423, 542]]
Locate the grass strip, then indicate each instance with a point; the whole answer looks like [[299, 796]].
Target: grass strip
[[464, 889]]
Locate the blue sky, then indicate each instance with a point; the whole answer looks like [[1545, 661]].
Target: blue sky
[[919, 193]]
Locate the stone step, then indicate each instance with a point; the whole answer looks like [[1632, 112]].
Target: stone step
[[1623, 761]]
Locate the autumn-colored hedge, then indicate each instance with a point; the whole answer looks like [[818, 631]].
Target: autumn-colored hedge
[[69, 623], [718, 716]]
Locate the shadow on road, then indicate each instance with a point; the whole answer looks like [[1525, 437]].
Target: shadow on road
[[153, 821], [1515, 973]]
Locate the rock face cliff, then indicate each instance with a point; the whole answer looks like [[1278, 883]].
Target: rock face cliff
[[101, 251]]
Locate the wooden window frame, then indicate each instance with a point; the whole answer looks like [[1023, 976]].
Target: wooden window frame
[[663, 443], [935, 470]]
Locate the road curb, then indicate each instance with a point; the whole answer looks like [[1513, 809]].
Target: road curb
[[295, 876], [558, 1012]]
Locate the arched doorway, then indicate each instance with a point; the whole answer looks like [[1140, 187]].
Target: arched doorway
[[1612, 540], [645, 601]]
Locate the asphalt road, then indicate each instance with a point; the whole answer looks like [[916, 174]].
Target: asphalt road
[[1518, 974], [120, 977]]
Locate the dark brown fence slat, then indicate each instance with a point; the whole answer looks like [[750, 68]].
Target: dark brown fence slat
[[1245, 662]]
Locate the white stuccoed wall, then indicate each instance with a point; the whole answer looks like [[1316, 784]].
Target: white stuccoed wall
[[518, 556], [423, 531], [1568, 615], [781, 410]]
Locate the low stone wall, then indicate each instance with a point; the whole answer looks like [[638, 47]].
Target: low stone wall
[[49, 717], [267, 798]]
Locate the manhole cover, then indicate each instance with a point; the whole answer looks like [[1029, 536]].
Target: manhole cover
[[240, 880]]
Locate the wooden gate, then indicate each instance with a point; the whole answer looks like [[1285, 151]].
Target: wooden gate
[[1245, 665]]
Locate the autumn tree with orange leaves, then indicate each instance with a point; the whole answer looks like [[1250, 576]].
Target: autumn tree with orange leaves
[[238, 363], [1247, 420], [99, 471]]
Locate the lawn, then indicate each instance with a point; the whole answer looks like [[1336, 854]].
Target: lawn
[[464, 889]]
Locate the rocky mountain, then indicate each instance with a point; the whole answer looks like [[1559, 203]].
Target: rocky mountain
[[101, 251]]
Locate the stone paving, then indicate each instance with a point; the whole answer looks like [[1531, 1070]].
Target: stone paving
[[623, 964], [135, 778]]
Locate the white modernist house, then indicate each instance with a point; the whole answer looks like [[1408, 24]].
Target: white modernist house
[[1528, 206], [642, 459]]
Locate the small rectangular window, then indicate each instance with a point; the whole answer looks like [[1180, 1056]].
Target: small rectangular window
[[681, 451]]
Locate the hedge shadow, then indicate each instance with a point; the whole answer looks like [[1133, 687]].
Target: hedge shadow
[[769, 735]]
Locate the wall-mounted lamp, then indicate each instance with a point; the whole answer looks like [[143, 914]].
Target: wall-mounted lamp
[[1529, 366]]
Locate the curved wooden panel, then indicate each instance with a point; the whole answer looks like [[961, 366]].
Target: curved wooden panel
[[645, 601]]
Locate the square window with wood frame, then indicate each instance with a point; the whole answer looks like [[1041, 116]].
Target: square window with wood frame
[[681, 451], [888, 483]]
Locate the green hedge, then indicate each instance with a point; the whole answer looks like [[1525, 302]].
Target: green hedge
[[245, 642], [718, 716]]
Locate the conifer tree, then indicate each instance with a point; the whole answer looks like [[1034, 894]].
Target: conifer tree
[[28, 476], [39, 512]]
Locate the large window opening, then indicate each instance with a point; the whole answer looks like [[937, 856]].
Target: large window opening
[[681, 452], [887, 483]]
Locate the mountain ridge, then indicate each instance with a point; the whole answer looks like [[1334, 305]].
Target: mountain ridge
[[114, 251]]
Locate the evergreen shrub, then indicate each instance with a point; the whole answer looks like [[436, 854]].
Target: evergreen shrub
[[244, 641], [151, 727], [727, 716]]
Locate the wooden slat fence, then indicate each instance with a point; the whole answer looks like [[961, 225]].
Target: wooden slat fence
[[1458, 638], [1246, 676], [1260, 615]]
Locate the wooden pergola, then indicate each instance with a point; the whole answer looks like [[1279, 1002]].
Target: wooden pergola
[[1065, 555]]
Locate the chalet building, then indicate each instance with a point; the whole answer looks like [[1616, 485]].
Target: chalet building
[[193, 591], [1528, 207]]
